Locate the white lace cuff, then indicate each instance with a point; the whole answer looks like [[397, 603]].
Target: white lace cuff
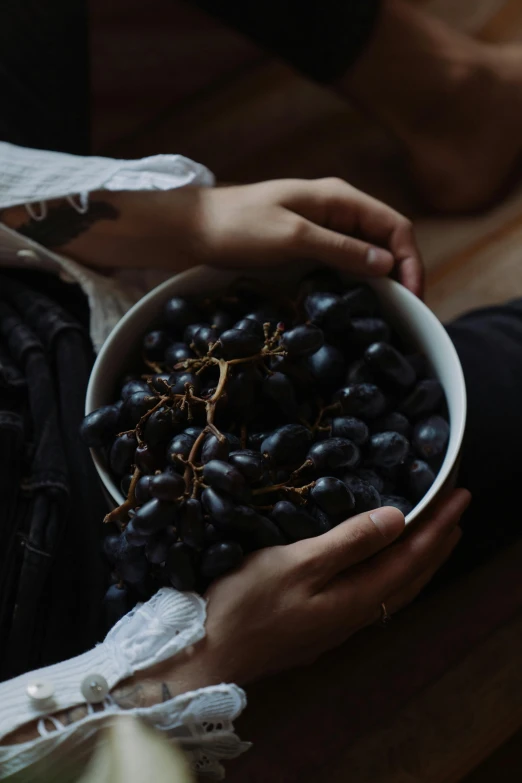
[[155, 631]]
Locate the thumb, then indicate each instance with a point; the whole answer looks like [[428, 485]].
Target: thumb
[[344, 252], [351, 542]]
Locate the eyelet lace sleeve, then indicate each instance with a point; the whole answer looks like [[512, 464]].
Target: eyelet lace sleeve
[[201, 721]]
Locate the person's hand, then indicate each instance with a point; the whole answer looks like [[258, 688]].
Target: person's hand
[[326, 220], [287, 605]]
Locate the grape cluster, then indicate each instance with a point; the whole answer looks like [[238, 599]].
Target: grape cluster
[[255, 422]]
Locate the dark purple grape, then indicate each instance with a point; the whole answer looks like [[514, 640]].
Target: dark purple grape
[[213, 448], [190, 332], [242, 389], [203, 339], [179, 446], [327, 366], [121, 456], [365, 495], [193, 432], [239, 343], [154, 515], [222, 476], [161, 425], [333, 497], [133, 536], [295, 522], [253, 530], [388, 449], [430, 437], [220, 558], [142, 490], [398, 502], [426, 397], [250, 325], [265, 315], [302, 340], [115, 546], [366, 331], [133, 571], [287, 445], [115, 605], [179, 566], [359, 372], [361, 399], [334, 453], [351, 428], [393, 422], [160, 382], [167, 486], [297, 371], [255, 440], [178, 352], [178, 313], [251, 464], [158, 545], [125, 484], [212, 535], [389, 365], [327, 310], [154, 345], [371, 477], [100, 426], [146, 459], [136, 406], [361, 301], [221, 321], [324, 522], [132, 386], [219, 507], [181, 381], [278, 388], [190, 525], [419, 479]]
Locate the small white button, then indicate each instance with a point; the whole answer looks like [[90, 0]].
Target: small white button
[[94, 688], [28, 254], [40, 691]]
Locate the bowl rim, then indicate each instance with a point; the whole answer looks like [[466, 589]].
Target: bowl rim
[[457, 428]]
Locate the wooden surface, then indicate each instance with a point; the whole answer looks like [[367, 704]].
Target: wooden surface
[[441, 685]]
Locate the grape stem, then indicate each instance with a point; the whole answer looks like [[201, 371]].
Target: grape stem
[[129, 503], [189, 471]]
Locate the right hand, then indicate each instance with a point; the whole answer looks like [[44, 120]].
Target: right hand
[[287, 605]]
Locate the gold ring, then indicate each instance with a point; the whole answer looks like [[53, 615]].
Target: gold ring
[[385, 617]]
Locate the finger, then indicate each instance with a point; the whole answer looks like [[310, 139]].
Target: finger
[[403, 562], [343, 252], [351, 542], [342, 208], [407, 594]]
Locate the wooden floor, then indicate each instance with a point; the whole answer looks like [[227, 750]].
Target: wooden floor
[[181, 84]]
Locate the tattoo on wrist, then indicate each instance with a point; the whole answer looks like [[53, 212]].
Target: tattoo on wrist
[[63, 224]]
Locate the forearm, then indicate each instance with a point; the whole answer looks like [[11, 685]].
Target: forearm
[[119, 229], [190, 670]]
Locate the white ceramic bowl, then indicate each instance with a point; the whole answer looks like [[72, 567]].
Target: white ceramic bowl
[[412, 319]]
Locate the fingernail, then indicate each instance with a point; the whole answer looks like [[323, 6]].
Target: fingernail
[[389, 521], [377, 257]]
